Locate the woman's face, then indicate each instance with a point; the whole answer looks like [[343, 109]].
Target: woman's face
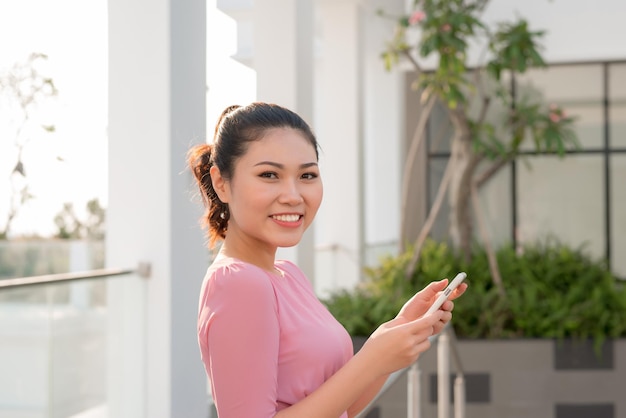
[[275, 190]]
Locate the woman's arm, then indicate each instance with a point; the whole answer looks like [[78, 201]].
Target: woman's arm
[[393, 346], [240, 333], [420, 302], [367, 396]]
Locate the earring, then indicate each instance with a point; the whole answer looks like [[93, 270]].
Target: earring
[[224, 214]]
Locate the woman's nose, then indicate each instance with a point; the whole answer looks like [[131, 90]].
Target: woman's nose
[[290, 193]]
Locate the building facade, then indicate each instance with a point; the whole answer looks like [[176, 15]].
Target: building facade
[[172, 67], [322, 59]]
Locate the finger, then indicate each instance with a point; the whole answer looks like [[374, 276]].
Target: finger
[[446, 317], [413, 307], [427, 293], [448, 306], [432, 291], [434, 288], [422, 346], [458, 291], [438, 328], [423, 333], [424, 322]]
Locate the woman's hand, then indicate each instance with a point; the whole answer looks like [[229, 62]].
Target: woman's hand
[[398, 343], [421, 301]]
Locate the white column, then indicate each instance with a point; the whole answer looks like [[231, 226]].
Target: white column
[[283, 61], [156, 111], [359, 115], [339, 113], [383, 129]]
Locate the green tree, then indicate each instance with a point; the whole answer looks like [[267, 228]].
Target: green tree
[[483, 141], [70, 226], [23, 89]]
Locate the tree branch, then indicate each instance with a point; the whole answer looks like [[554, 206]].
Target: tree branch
[[483, 110], [407, 53], [491, 171], [491, 255], [410, 161], [430, 220]]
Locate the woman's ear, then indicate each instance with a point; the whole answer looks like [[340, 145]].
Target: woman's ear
[[219, 184]]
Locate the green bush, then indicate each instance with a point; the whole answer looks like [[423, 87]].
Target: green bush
[[552, 291]]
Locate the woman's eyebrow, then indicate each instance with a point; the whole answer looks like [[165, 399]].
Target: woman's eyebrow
[[281, 166]]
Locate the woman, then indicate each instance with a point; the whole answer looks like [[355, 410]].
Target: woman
[[269, 346]]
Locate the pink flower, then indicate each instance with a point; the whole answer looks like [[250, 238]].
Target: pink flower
[[555, 117], [416, 17], [446, 27]]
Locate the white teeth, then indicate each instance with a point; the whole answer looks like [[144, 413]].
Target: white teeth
[[286, 218]]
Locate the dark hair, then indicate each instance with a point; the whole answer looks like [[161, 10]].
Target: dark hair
[[236, 127]]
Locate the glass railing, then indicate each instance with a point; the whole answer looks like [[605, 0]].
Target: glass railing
[[54, 331], [23, 258], [53, 343]]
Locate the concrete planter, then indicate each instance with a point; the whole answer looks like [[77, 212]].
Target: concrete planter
[[537, 378]]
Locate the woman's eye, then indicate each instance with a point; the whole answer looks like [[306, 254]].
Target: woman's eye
[[309, 176], [268, 175]]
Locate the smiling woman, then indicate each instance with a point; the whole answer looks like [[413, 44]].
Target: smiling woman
[[272, 196], [269, 346]]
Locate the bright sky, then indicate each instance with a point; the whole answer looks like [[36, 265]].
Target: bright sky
[[73, 33]]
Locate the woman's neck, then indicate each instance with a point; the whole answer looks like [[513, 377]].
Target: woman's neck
[[261, 257]]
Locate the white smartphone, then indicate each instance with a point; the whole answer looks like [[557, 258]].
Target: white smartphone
[[444, 295]]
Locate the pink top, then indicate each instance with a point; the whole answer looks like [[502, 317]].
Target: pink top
[[266, 341]]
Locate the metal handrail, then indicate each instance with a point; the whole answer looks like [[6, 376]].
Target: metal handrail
[[459, 381], [393, 378], [143, 270], [446, 342]]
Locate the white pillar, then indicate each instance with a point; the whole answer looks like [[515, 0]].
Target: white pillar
[[157, 108], [283, 61], [339, 113], [359, 115], [443, 376], [383, 129]]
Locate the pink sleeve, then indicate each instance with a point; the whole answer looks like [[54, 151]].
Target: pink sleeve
[[243, 340]]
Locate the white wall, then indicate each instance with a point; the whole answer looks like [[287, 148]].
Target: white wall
[[576, 29], [229, 81]]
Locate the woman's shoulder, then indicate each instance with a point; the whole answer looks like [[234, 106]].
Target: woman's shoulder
[[291, 269], [231, 288], [232, 274]]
